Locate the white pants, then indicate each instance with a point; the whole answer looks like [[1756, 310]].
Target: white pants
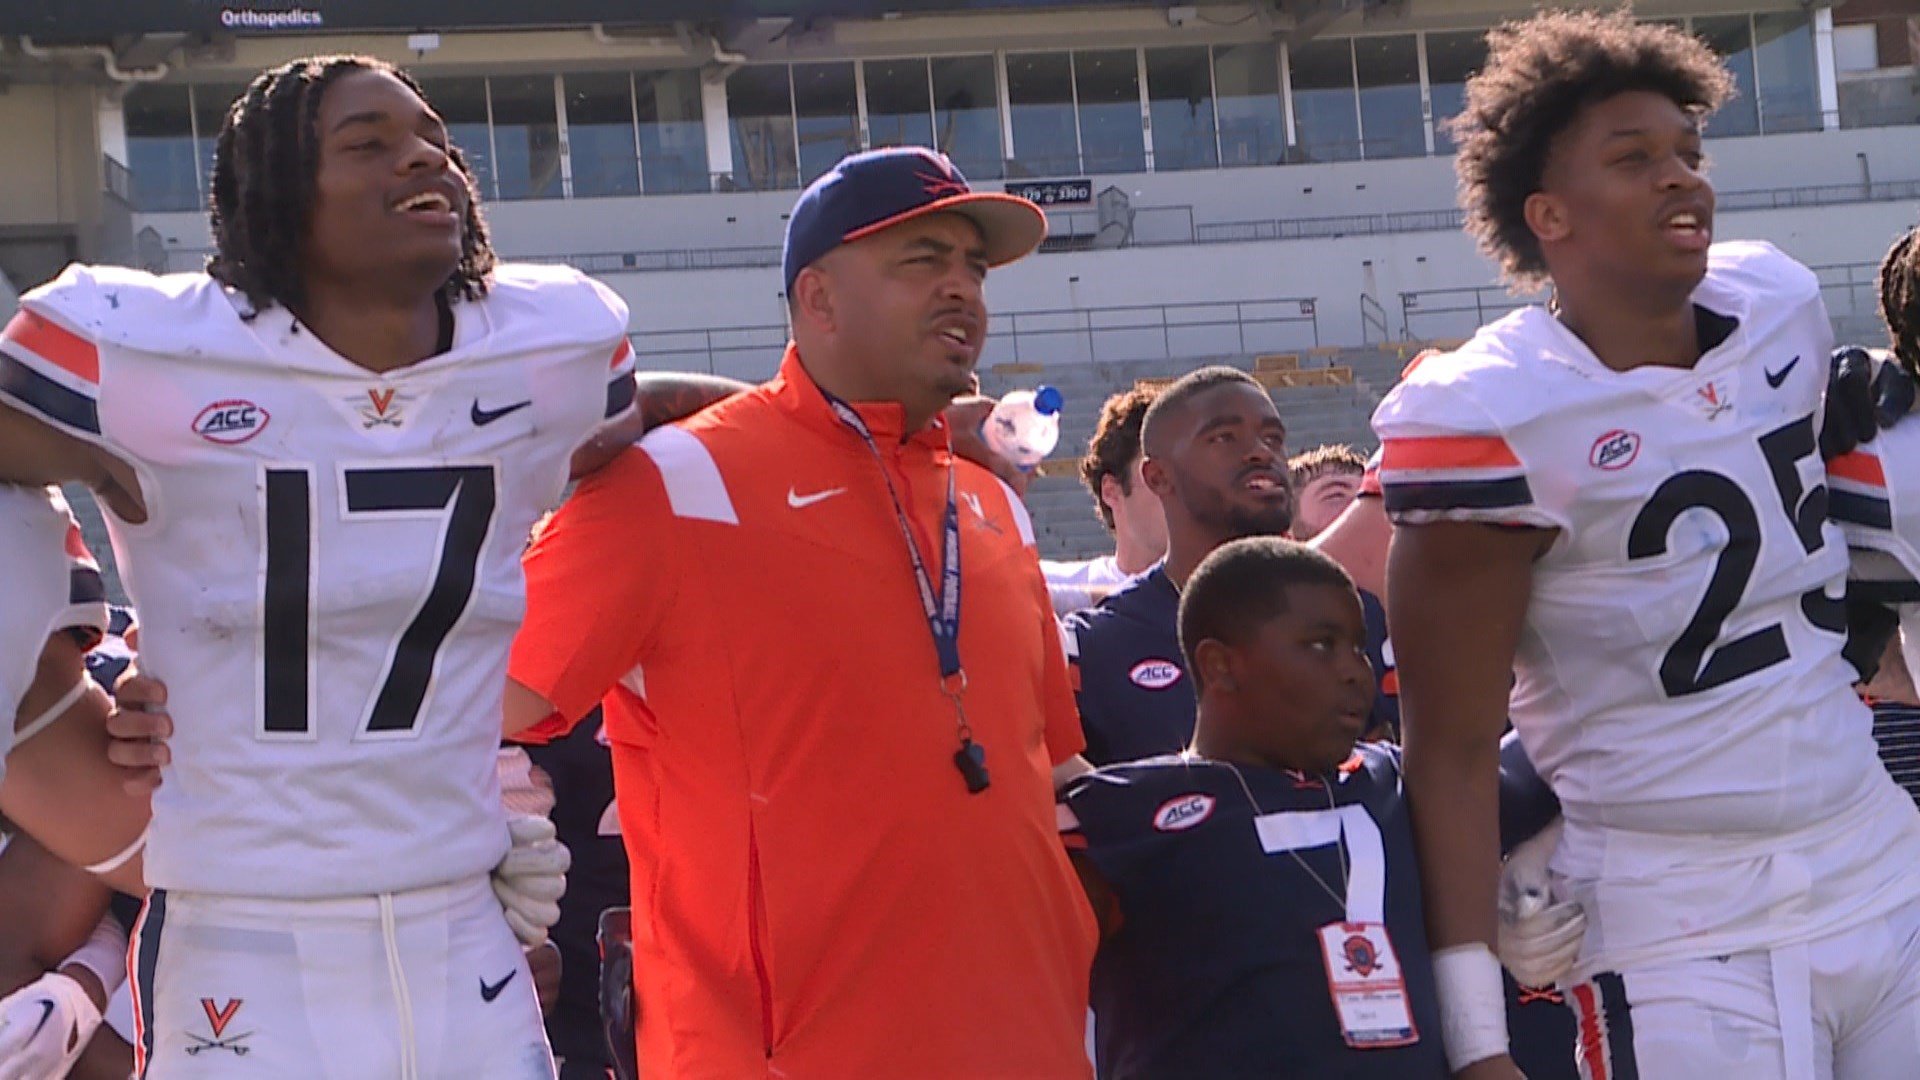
[[1841, 1007], [428, 984]]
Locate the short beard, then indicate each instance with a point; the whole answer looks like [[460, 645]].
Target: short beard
[[1244, 523]]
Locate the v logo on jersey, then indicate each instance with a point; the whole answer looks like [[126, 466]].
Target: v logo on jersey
[[801, 502], [218, 1019], [382, 408], [1712, 400]]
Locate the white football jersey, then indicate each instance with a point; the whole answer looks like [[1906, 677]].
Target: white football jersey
[[1678, 677], [1076, 585], [329, 576], [49, 583]]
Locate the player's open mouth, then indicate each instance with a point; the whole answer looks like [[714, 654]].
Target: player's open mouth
[[429, 206], [1688, 230], [1263, 482]]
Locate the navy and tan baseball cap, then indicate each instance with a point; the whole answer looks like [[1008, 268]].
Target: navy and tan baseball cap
[[870, 191]]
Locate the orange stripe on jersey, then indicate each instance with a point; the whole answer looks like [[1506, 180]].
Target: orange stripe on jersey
[[621, 354], [54, 343], [1448, 452], [1859, 468], [1419, 358]]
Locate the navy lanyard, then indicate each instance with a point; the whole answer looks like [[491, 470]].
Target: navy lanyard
[[942, 609]]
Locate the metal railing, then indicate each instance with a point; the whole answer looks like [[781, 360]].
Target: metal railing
[[1851, 292], [116, 179], [1427, 314], [1373, 320], [612, 262], [1226, 232], [1818, 195], [1096, 335]]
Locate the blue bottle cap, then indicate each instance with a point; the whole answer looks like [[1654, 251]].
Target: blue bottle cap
[[1047, 401]]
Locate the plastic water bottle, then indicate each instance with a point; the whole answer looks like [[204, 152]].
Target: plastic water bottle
[[1025, 426]]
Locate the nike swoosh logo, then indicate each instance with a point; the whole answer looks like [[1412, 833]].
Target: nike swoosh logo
[[801, 502], [46, 1013], [1775, 378], [488, 993], [483, 417]]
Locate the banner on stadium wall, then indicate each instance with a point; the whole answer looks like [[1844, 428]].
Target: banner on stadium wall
[[97, 20], [1053, 192]]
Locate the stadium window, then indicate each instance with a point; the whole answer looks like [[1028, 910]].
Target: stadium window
[[899, 103], [526, 136], [760, 119], [210, 105], [462, 105], [1387, 68], [600, 134], [827, 108], [1783, 55], [160, 150], [673, 131], [1107, 92], [1180, 102], [966, 112], [1732, 37], [1451, 59], [1326, 116], [1046, 137], [1246, 86]]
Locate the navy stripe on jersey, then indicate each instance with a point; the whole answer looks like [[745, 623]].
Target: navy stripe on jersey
[[85, 587], [1457, 494], [1889, 593], [47, 397], [1856, 509], [1619, 1013], [619, 394], [146, 961]]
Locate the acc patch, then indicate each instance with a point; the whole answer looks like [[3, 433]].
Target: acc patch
[[1154, 674], [230, 423], [1183, 812], [1614, 450]]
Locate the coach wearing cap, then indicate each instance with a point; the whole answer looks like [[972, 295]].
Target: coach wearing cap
[[834, 687]]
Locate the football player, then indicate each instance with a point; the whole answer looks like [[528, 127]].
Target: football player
[[320, 460], [1214, 455], [1612, 525]]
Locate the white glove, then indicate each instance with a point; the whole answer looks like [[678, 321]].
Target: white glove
[[531, 879], [44, 1027], [1539, 938]]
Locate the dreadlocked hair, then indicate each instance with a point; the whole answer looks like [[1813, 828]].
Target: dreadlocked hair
[[264, 169], [1540, 73], [1900, 298]]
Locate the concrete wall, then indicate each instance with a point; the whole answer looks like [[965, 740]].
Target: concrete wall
[[50, 173]]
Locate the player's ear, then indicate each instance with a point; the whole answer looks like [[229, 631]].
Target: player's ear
[[1155, 475], [1546, 217], [812, 298], [1214, 659]]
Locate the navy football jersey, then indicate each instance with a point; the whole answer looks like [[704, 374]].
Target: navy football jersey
[[1136, 699], [1216, 969], [582, 773], [1385, 719], [1130, 679]]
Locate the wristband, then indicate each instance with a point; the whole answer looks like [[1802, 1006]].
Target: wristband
[[104, 954], [114, 862], [1473, 1004]]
